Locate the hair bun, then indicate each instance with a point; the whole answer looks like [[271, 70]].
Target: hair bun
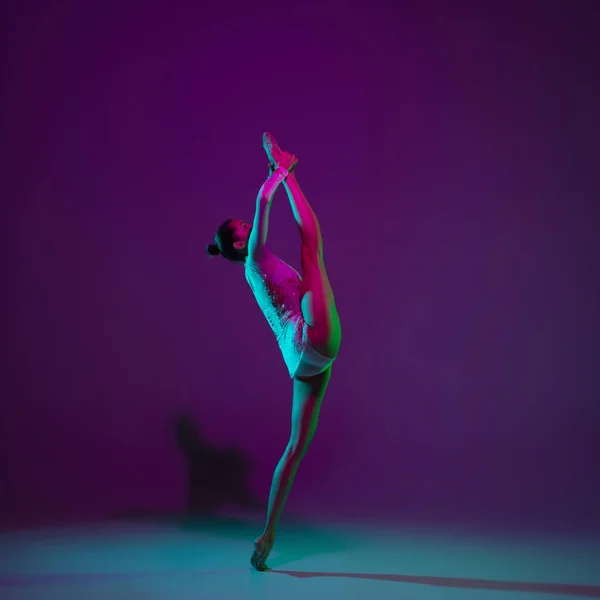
[[213, 249]]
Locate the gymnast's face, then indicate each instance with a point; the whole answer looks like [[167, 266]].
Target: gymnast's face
[[241, 233]]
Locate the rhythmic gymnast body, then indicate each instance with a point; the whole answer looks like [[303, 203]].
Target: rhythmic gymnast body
[[301, 311]]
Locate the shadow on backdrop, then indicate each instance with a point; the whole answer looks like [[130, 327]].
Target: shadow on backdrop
[[217, 478]]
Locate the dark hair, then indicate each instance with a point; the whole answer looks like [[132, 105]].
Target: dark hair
[[224, 240]]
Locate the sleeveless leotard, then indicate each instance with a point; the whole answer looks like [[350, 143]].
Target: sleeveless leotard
[[276, 287]]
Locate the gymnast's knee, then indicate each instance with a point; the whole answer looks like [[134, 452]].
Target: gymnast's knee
[[296, 449], [312, 241]]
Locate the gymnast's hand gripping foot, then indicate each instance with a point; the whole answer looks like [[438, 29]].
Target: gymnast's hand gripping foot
[[300, 310]]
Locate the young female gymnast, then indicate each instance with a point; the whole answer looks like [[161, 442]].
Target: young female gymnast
[[301, 312]]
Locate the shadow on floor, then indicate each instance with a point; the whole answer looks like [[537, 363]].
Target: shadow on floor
[[585, 591]]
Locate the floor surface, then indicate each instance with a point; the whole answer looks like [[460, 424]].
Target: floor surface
[[209, 558]]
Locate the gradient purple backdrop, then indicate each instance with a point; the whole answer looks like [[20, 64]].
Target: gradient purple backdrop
[[450, 152]]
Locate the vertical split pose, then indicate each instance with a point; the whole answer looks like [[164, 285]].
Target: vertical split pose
[[301, 312]]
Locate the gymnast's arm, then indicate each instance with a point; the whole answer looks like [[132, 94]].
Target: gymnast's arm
[[260, 225]]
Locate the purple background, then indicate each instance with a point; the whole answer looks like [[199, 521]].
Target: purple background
[[450, 151]]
